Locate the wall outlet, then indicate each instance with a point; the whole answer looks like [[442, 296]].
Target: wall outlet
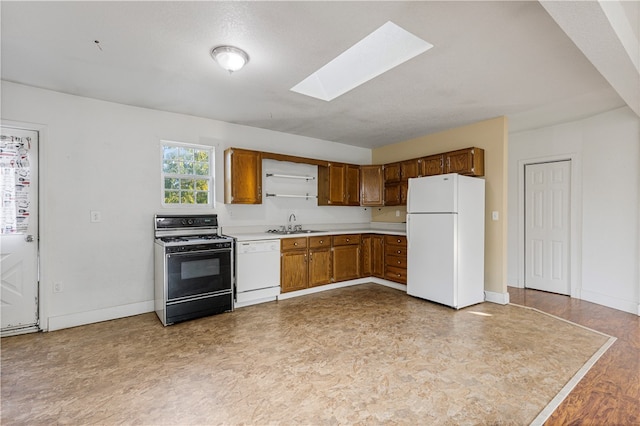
[[57, 287], [397, 213], [96, 216], [495, 215]]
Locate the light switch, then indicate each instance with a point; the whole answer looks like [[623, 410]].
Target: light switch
[[96, 216], [495, 215]]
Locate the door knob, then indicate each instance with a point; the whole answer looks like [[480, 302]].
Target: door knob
[[29, 238]]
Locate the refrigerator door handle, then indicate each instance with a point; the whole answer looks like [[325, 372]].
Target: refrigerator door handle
[[407, 230]]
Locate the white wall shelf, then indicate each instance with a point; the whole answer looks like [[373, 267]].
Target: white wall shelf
[[307, 178], [307, 196]]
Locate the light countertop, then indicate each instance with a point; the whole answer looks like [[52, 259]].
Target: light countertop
[[252, 234]]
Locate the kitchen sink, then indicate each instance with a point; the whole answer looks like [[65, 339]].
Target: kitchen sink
[[290, 232]]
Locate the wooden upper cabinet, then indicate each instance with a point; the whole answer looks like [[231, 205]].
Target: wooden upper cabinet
[[339, 185], [432, 165], [395, 193], [242, 176], [392, 172], [371, 186], [352, 185], [468, 162], [410, 169]]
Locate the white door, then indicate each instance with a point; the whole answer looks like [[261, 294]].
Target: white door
[[19, 232], [547, 226]]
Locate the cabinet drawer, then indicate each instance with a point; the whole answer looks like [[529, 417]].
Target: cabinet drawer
[[293, 243], [395, 250], [347, 239], [395, 240], [395, 261], [319, 242], [398, 275]]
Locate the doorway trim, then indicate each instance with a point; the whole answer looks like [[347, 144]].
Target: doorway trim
[[44, 289], [575, 203]]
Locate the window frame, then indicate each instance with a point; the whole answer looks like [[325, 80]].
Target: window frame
[[210, 176]]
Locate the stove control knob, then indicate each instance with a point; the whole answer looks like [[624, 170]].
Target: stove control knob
[[184, 221], [190, 221]]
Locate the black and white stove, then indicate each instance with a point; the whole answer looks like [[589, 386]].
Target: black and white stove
[[194, 267]]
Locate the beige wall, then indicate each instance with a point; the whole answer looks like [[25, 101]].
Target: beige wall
[[490, 135]]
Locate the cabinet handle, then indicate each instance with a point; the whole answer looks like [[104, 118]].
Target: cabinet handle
[[399, 262], [347, 240], [399, 240], [321, 241], [399, 251], [295, 244], [398, 275]]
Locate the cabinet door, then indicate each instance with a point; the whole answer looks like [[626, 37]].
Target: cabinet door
[[366, 255], [410, 169], [371, 186], [319, 266], [242, 177], [392, 172], [404, 191], [331, 184], [377, 255], [398, 275], [346, 262], [392, 195], [432, 165], [352, 185], [468, 161], [293, 270]]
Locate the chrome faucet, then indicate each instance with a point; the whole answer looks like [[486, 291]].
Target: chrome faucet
[[289, 227]]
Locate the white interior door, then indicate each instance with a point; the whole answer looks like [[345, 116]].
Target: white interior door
[[19, 232], [547, 226]]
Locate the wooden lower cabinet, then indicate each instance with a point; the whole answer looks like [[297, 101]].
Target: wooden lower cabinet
[[346, 257], [372, 256], [294, 269], [377, 253], [320, 267], [313, 261], [395, 258]]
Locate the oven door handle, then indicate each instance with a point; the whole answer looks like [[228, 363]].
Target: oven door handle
[[210, 251]]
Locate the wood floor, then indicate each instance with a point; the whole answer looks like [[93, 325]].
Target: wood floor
[[610, 392]]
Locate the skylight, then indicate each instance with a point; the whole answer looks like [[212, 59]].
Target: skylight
[[385, 48]]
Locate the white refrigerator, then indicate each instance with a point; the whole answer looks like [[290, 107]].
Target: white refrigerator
[[445, 239]]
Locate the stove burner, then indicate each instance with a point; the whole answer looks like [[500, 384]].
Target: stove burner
[[174, 239]]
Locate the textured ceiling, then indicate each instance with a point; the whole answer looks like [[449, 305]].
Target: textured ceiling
[[490, 59]]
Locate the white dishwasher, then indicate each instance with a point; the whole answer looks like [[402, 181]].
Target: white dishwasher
[[257, 271]]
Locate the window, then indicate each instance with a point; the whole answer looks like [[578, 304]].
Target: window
[[187, 174]]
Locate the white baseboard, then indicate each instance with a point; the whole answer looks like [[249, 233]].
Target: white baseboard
[[89, 317], [325, 287], [499, 298], [386, 283], [611, 302]]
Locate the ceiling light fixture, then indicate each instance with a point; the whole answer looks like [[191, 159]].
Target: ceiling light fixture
[[230, 58]]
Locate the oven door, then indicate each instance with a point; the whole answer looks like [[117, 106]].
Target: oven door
[[198, 273]]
